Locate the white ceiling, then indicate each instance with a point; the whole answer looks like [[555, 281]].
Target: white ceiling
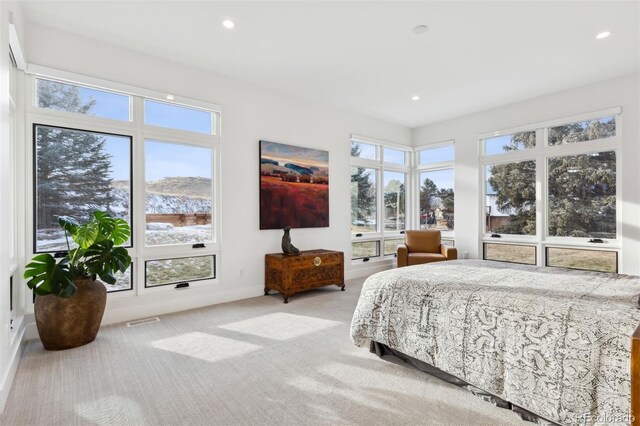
[[364, 57]]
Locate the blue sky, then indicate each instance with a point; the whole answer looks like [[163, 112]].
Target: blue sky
[[116, 106], [437, 155], [389, 175], [162, 159], [173, 160], [444, 179], [496, 144]]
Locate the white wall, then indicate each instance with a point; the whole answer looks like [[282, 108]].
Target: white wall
[[248, 115], [624, 92]]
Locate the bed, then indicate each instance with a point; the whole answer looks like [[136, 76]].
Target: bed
[[558, 343]]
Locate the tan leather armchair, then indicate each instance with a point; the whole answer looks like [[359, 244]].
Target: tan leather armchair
[[424, 247]]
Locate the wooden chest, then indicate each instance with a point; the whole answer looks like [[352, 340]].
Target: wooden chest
[[291, 274]]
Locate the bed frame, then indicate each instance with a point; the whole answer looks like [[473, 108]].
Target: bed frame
[[635, 378]]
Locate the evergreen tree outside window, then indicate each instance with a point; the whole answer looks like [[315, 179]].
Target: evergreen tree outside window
[[67, 97], [78, 172], [582, 195], [379, 181], [437, 200], [511, 198], [363, 200], [83, 145], [435, 175], [574, 167]]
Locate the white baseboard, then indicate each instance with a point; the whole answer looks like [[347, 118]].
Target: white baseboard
[[7, 380], [362, 271], [121, 312]]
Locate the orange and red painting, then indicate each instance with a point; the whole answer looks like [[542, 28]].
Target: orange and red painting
[[294, 186]]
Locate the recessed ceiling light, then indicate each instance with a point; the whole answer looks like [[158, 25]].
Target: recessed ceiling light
[[415, 98], [603, 34], [170, 97], [228, 23]]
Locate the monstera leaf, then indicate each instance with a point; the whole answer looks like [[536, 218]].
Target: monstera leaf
[[83, 235], [69, 224], [114, 229], [104, 260], [97, 254], [46, 276]]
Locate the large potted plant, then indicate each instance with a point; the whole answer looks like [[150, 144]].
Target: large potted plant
[[70, 300]]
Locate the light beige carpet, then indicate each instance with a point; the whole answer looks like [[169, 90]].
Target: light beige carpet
[[252, 362]]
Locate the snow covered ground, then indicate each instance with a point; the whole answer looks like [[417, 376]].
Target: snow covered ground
[[165, 233], [168, 271], [157, 234]]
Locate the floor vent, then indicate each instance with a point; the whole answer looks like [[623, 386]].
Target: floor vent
[[142, 321]]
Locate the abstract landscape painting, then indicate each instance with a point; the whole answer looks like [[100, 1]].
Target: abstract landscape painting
[[294, 186]]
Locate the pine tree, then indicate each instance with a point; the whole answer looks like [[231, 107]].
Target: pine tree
[[362, 191], [428, 196], [394, 197], [394, 200], [582, 195], [73, 167], [582, 188], [446, 199]]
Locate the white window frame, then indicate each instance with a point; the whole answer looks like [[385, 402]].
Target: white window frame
[[139, 132], [432, 167], [379, 166], [540, 154], [15, 184]]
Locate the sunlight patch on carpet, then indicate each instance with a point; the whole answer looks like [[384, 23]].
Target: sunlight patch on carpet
[[280, 326], [111, 410], [205, 346]]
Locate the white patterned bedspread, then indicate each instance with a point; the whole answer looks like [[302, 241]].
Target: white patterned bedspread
[[553, 341]]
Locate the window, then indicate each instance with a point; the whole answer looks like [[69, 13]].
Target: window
[[583, 131], [364, 150], [593, 260], [173, 206], [554, 184], [175, 271], [394, 201], [394, 156], [365, 250], [363, 200], [506, 143], [379, 182], [82, 100], [513, 253], [441, 154], [436, 200], [123, 281], [179, 201], [510, 206], [178, 117], [76, 173], [582, 195], [448, 243], [435, 176], [391, 246]]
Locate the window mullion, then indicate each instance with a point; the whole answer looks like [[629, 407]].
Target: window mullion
[[541, 193]]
